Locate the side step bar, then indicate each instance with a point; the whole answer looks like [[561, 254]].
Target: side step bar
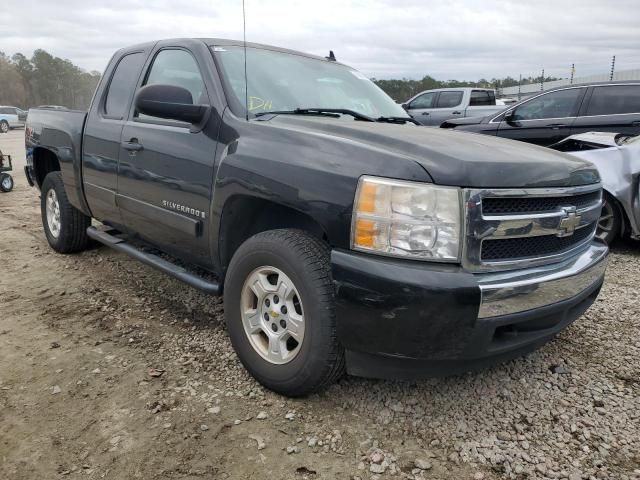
[[155, 261]]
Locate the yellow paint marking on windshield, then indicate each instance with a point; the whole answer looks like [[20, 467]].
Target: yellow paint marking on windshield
[[256, 103]]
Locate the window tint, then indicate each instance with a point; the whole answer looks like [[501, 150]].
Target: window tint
[[551, 105], [449, 99], [122, 84], [178, 68], [614, 99], [424, 101], [482, 97]]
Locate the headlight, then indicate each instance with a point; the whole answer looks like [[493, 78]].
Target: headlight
[[406, 219]]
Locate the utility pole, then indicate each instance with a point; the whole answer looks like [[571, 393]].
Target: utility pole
[[613, 66], [519, 85], [542, 81], [573, 70]]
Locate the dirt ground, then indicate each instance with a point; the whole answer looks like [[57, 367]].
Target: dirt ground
[[108, 369]]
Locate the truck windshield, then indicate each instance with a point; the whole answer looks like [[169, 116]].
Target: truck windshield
[[279, 81]]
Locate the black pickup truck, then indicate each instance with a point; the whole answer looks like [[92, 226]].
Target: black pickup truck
[[345, 236]]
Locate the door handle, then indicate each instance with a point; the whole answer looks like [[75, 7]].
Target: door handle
[[456, 113], [132, 145], [557, 126], [425, 113]]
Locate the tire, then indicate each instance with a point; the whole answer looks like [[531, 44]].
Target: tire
[[610, 221], [6, 182], [302, 260], [71, 232], [4, 126]]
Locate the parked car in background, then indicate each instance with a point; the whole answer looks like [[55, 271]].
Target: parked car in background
[[617, 158], [556, 114], [11, 117], [432, 107]]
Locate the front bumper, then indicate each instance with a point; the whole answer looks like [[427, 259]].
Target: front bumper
[[404, 319]]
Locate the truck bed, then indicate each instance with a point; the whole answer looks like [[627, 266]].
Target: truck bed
[[59, 131]]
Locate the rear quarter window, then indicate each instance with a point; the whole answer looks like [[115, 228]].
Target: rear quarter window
[[122, 85], [614, 99]]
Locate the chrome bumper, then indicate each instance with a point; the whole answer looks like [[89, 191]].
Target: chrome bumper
[[520, 290]]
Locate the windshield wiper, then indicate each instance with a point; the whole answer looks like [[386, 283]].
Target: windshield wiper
[[401, 120], [320, 111]]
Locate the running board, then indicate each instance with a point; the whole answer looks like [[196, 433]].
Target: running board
[[155, 261]]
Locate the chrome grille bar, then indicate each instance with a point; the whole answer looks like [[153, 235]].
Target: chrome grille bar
[[563, 221]]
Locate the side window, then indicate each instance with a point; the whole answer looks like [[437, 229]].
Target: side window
[[558, 104], [425, 100], [123, 82], [482, 97], [6, 111], [614, 99], [449, 99], [177, 68]]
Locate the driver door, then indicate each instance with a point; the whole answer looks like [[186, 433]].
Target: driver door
[[420, 107], [165, 170]]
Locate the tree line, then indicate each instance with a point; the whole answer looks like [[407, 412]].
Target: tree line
[[44, 80], [404, 89], [47, 80]]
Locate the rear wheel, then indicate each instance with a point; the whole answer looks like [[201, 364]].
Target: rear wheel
[[610, 222], [64, 225], [4, 126], [280, 312], [6, 182]]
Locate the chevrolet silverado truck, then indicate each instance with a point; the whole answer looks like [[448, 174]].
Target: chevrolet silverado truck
[[341, 235]]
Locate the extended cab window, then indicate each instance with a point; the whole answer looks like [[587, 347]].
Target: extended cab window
[[482, 97], [449, 99], [179, 69], [614, 99], [424, 101], [123, 82], [558, 104]]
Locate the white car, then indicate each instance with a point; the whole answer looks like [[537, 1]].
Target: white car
[[11, 117], [617, 158]]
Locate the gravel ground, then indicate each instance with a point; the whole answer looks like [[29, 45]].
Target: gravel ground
[[111, 370]]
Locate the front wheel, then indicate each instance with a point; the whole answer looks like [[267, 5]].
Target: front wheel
[[64, 225], [280, 312], [610, 222], [6, 182]]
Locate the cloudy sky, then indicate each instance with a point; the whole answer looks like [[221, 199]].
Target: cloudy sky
[[461, 39]]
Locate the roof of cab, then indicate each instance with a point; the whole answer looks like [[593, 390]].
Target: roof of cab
[[222, 42]]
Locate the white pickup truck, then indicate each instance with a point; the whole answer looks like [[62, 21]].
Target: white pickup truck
[[432, 107]]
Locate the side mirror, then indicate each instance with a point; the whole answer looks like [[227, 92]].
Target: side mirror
[[405, 106], [170, 102], [509, 117]]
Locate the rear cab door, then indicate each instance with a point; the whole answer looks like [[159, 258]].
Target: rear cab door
[[610, 108], [450, 104], [420, 107], [166, 167], [544, 119], [103, 129]]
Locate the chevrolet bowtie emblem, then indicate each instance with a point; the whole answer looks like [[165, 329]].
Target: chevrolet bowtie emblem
[[569, 222], [273, 314]]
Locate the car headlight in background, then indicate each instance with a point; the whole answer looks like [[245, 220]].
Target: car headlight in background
[[406, 219]]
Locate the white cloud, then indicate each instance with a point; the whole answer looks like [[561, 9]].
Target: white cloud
[[462, 39]]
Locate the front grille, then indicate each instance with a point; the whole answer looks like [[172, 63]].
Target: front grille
[[520, 228], [520, 205], [516, 248]]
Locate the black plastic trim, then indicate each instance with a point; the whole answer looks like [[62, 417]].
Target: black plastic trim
[[155, 261]]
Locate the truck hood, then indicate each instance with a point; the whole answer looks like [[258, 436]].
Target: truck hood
[[453, 157]]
